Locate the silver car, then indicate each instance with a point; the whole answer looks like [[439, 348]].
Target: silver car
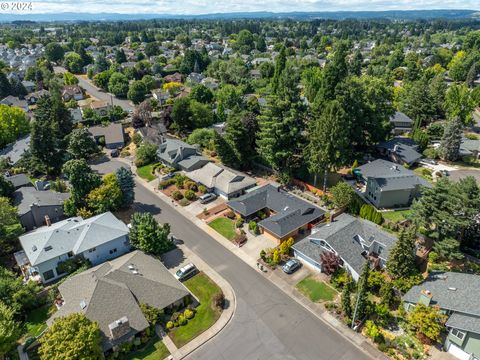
[[291, 266]]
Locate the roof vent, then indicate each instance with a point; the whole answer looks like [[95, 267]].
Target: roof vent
[[48, 248], [134, 272], [34, 248], [83, 304], [131, 267], [452, 288]]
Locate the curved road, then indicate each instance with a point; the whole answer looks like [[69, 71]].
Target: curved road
[[267, 324]]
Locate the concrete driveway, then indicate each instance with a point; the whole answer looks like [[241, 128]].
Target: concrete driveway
[[461, 174]]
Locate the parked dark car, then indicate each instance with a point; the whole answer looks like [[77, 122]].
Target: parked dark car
[[115, 153], [291, 266]]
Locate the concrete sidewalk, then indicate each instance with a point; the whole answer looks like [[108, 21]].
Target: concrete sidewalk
[[317, 310]]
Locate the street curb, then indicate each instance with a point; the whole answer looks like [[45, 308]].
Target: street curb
[[379, 355]]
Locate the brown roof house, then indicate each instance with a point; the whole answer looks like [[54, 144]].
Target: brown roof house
[[74, 92], [111, 294]]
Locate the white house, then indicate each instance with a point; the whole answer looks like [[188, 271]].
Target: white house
[[97, 239]]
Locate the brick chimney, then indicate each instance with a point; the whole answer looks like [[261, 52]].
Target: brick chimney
[[48, 222], [119, 328]]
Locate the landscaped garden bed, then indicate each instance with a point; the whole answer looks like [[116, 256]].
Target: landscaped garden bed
[[154, 349], [207, 313], [181, 189]]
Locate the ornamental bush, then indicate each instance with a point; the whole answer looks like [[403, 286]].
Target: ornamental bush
[[188, 314], [202, 189], [182, 321], [190, 195], [177, 195], [170, 325]]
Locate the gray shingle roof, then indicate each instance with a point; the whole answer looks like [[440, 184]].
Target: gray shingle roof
[[465, 298], [113, 133], [19, 180], [403, 148], [391, 176], [74, 234], [342, 235], [25, 197], [400, 117], [175, 152], [14, 151], [464, 322], [291, 212], [112, 290], [224, 179]]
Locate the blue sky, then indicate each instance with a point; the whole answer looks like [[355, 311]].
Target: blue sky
[[222, 6]]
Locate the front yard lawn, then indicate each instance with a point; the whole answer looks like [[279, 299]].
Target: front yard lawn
[[396, 216], [155, 349], [316, 290], [36, 321], [204, 289], [224, 226], [146, 172]]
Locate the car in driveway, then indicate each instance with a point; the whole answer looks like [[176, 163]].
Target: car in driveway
[[186, 272], [115, 153], [428, 162], [206, 198], [167, 176], [444, 172], [291, 266]]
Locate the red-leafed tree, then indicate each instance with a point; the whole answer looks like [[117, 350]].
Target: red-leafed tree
[[330, 262]]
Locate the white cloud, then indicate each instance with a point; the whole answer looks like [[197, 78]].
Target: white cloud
[[224, 6]]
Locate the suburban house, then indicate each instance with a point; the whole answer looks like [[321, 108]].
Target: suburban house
[[13, 152], [287, 215], [161, 96], [76, 115], [153, 133], [354, 240], [400, 150], [28, 85], [470, 147], [111, 293], [401, 123], [33, 97], [19, 180], [74, 92], [34, 206], [457, 296], [15, 101], [222, 180], [101, 108], [180, 155], [388, 185], [97, 239], [112, 133]]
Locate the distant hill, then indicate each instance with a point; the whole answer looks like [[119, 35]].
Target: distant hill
[[335, 15]]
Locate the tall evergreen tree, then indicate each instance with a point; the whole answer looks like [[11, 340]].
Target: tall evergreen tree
[[237, 136], [127, 185], [280, 63], [401, 259], [328, 141], [361, 304], [224, 151], [346, 301], [451, 140]]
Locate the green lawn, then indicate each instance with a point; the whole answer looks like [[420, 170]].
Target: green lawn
[[316, 290], [396, 216], [224, 226], [155, 349], [204, 289], [36, 321], [145, 172]]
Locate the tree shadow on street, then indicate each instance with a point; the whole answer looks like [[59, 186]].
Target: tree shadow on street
[[173, 258]]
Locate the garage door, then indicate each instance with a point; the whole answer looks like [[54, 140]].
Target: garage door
[[306, 260], [457, 352]]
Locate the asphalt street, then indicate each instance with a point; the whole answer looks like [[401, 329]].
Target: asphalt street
[[268, 324], [95, 92]]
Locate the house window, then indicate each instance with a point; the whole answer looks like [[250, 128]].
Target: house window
[[47, 275], [113, 251], [70, 254], [460, 335], [92, 250]]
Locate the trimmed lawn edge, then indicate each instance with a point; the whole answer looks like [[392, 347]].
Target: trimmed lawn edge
[[316, 290]]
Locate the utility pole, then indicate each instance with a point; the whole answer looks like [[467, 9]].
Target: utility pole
[[355, 311]]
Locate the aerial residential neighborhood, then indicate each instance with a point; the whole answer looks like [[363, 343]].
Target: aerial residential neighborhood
[[228, 180]]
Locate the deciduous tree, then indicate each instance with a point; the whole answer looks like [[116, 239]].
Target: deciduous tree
[[427, 320], [148, 235], [81, 144], [10, 329]]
